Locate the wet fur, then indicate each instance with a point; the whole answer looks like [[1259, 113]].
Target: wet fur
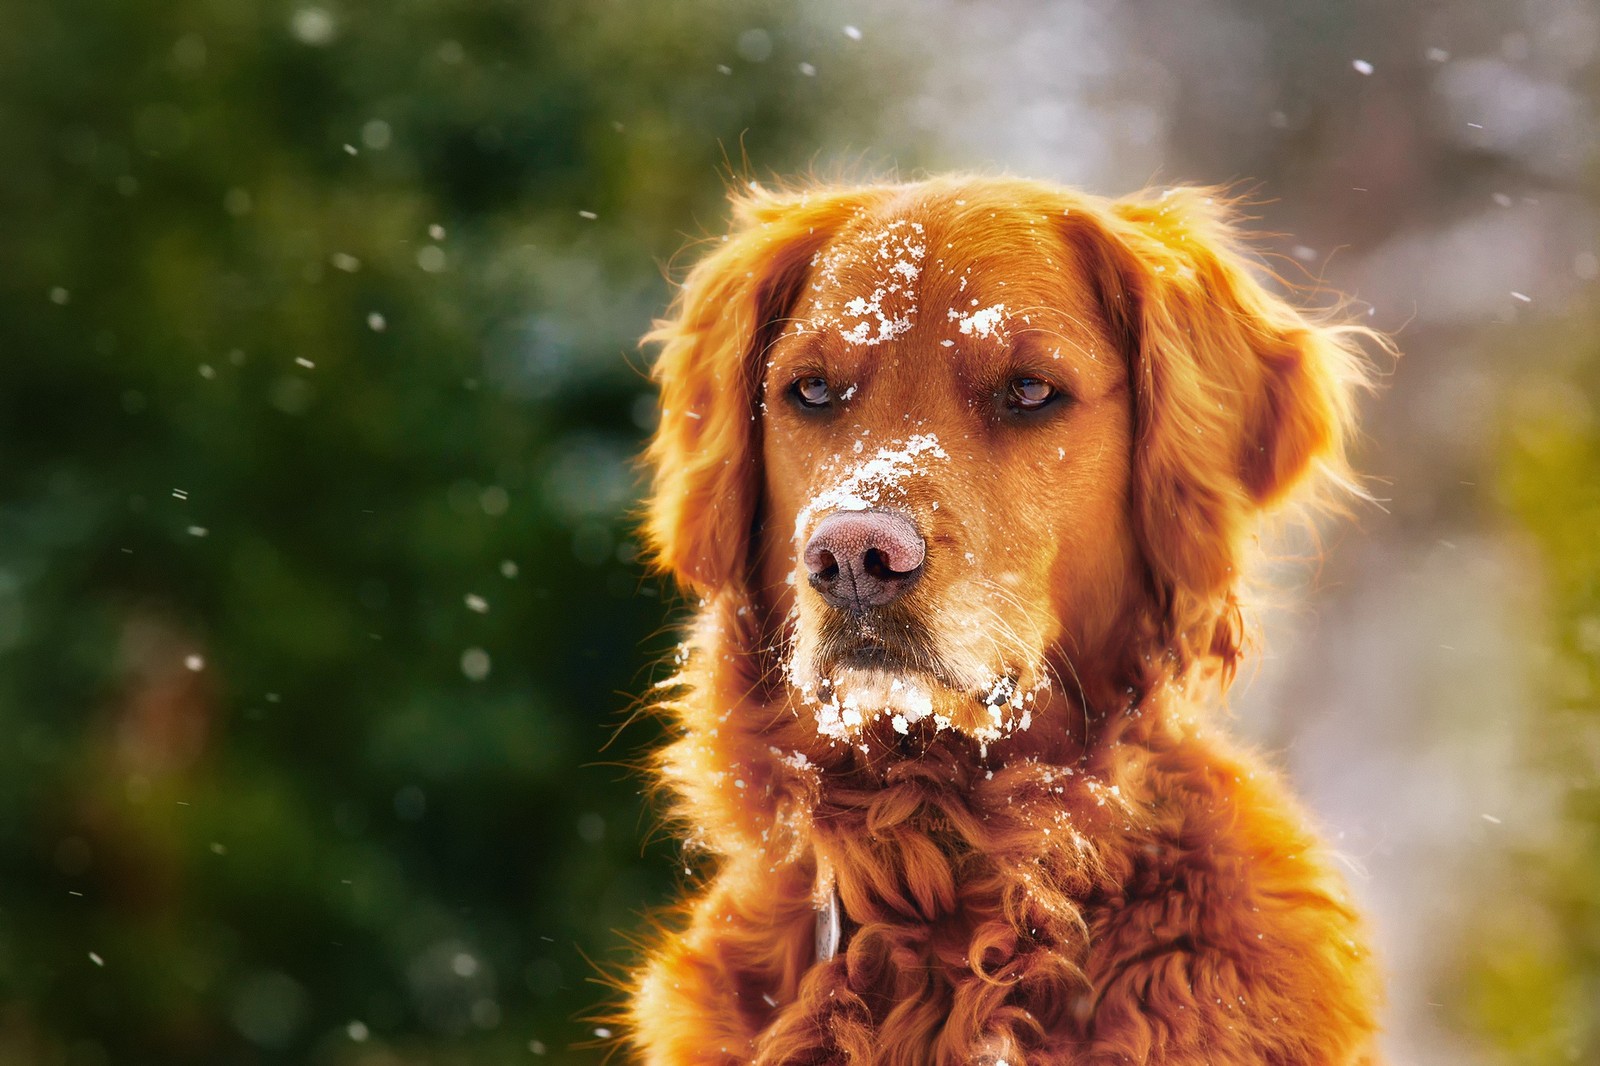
[[1116, 883]]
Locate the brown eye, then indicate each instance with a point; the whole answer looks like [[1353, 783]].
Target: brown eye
[[1029, 394], [811, 392]]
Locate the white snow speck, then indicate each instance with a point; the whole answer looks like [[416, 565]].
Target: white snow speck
[[301, 360], [1524, 297], [376, 322], [588, 214], [430, 257], [194, 663], [1491, 819], [313, 26], [95, 958], [475, 664], [59, 296], [602, 1032], [808, 70], [1362, 66], [852, 32], [357, 1031], [198, 531], [477, 603]]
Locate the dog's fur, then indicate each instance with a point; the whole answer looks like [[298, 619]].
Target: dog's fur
[[1044, 850]]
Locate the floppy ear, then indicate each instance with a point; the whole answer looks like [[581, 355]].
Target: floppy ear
[[1239, 400], [705, 455]]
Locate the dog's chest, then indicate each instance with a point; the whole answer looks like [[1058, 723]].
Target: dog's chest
[[923, 891]]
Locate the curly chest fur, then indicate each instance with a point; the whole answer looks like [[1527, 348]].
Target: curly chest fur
[[963, 922], [1032, 913]]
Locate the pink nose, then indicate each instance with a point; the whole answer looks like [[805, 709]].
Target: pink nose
[[862, 559]]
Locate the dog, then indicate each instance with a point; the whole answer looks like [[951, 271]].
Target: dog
[[962, 477]]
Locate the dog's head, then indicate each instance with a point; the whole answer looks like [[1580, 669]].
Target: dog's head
[[968, 443]]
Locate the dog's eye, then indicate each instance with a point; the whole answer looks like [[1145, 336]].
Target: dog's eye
[[1029, 394], [811, 392]]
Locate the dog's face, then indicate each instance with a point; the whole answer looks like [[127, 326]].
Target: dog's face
[[972, 447], [946, 443]]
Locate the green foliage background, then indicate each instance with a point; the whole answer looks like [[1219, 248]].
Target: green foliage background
[[1534, 966], [317, 323]]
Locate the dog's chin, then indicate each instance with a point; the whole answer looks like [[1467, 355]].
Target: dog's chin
[[853, 694], [850, 699]]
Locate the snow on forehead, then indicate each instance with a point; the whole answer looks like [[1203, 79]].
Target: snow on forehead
[[894, 248], [870, 482], [888, 257], [990, 321]]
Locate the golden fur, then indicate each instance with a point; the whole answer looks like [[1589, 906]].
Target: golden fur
[[1046, 853]]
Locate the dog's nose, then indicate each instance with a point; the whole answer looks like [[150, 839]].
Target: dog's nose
[[862, 559]]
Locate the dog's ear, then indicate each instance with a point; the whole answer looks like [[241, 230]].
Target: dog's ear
[[1239, 398], [705, 455]]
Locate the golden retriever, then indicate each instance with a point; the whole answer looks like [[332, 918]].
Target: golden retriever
[[962, 475]]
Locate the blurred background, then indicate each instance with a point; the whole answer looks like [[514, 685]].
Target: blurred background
[[320, 620]]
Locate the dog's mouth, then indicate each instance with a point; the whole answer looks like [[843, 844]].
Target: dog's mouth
[[871, 657], [887, 668], [885, 641]]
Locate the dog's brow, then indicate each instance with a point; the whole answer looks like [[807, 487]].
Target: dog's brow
[[795, 343], [1087, 328], [1032, 344]]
